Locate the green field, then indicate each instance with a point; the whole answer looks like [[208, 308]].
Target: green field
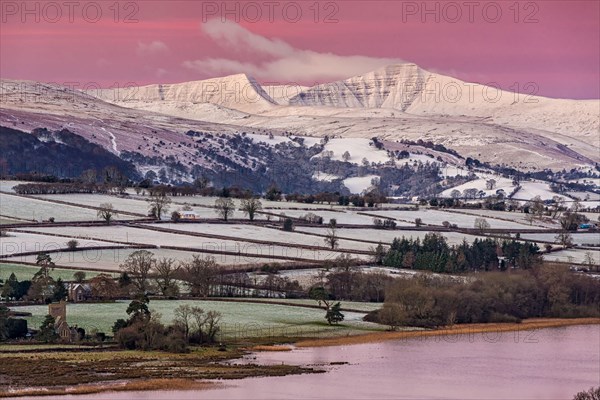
[[26, 272], [240, 320]]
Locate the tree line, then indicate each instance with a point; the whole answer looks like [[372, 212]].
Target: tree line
[[543, 291], [433, 253]]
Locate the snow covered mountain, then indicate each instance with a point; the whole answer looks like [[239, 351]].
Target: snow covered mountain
[[397, 102], [237, 92], [411, 89]]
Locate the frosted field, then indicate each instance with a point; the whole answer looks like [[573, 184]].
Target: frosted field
[[8, 221], [26, 272], [259, 233], [7, 186], [387, 236], [578, 238], [30, 209], [358, 148], [111, 259], [140, 206], [239, 319], [147, 237], [517, 217], [529, 190], [346, 217], [209, 201], [480, 184], [436, 217], [19, 242], [571, 255], [94, 200], [355, 305], [587, 195]]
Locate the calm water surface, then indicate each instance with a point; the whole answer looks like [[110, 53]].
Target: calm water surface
[[545, 364]]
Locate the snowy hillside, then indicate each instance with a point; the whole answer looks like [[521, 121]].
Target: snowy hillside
[[238, 92], [396, 102]]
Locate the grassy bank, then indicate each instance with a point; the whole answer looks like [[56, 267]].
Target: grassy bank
[[142, 385], [374, 337], [60, 372]]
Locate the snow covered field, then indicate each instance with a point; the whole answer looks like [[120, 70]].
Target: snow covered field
[[386, 236], [578, 238], [94, 200], [575, 256], [529, 190], [517, 217], [246, 250], [19, 242], [346, 217], [358, 148], [208, 202], [436, 217], [7, 186], [267, 234], [480, 184], [359, 184], [111, 259], [32, 209]]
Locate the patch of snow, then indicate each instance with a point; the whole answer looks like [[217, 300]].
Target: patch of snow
[[358, 148], [360, 183]]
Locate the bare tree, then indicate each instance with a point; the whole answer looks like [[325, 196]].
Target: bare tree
[[184, 318], [482, 224], [199, 274], [165, 276], [158, 204], [211, 325], [589, 261], [559, 204], [106, 212], [565, 239], [138, 266], [536, 206], [331, 238], [224, 207], [250, 207], [346, 156], [490, 184]]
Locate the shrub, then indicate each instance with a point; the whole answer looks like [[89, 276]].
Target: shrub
[[72, 244], [592, 394], [288, 225], [16, 328]]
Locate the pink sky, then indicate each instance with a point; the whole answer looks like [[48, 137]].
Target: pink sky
[[554, 44]]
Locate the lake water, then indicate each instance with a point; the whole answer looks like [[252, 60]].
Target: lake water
[[544, 364]]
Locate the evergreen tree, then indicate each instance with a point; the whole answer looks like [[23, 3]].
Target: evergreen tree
[[60, 291], [334, 315], [47, 333]]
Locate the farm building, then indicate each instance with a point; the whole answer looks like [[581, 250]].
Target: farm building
[[189, 216]]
